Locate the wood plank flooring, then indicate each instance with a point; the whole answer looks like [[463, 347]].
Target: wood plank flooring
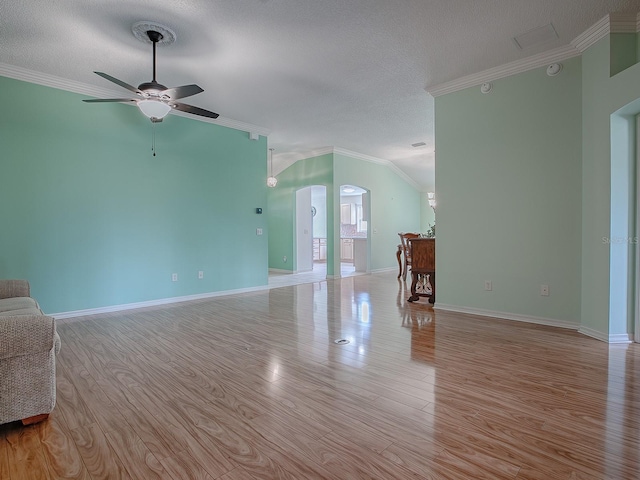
[[254, 387]]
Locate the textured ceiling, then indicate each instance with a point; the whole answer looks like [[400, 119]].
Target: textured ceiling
[[316, 73]]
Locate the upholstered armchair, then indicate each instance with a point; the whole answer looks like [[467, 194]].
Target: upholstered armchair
[[28, 347]]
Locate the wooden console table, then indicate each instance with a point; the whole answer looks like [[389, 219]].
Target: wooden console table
[[423, 268]]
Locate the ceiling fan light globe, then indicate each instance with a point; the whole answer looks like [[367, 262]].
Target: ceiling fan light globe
[[153, 108], [272, 182]]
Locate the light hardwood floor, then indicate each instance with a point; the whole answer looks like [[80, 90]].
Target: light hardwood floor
[[253, 386]]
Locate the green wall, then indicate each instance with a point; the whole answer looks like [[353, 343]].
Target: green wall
[[508, 176], [395, 207], [92, 219], [281, 208], [608, 194], [536, 184]]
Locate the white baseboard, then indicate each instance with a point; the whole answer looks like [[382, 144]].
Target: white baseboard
[[508, 316], [60, 317], [386, 269], [590, 332], [617, 338], [614, 338], [620, 338], [280, 270]]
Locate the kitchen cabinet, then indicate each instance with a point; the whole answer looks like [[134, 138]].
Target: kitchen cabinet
[[348, 213], [360, 254], [319, 249], [346, 249], [345, 214]]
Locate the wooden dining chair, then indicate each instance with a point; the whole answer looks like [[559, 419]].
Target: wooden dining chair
[[406, 252]]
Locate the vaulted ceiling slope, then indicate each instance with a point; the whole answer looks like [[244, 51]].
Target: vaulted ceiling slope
[[350, 74]]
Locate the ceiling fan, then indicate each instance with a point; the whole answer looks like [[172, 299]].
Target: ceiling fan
[[154, 99]]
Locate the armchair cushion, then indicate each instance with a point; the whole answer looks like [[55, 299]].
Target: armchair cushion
[[14, 288]]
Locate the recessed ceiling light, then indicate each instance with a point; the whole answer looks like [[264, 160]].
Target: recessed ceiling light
[[419, 144]]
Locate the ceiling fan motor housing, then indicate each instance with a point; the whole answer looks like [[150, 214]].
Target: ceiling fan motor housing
[[153, 89]]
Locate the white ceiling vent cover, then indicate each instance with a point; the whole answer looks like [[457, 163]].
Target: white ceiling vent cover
[[538, 36]]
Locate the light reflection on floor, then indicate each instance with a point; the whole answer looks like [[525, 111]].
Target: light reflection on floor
[[319, 274]]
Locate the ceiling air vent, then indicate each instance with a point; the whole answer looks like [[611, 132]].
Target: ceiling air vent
[[538, 36], [419, 144]]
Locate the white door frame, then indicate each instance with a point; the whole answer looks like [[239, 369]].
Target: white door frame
[[303, 231]]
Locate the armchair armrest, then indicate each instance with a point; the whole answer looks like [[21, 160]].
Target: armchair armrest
[[27, 334], [14, 288]]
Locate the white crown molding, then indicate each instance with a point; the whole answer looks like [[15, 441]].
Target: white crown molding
[[512, 68], [285, 160], [30, 76], [288, 159], [507, 316], [360, 156], [612, 23], [623, 22], [379, 161], [593, 34]]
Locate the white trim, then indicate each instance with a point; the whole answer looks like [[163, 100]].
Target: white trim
[[360, 156], [379, 161], [281, 270], [620, 338], [154, 303], [590, 332], [612, 23], [507, 316], [614, 338], [286, 160], [30, 76], [593, 34], [384, 270], [635, 295], [623, 22], [512, 68]]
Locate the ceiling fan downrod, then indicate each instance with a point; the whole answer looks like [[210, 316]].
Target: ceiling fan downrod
[[155, 37]]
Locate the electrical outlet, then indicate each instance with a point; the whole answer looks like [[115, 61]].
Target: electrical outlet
[[174, 277], [488, 286], [258, 231], [544, 290], [200, 274]]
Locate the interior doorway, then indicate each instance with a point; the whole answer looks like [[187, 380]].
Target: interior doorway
[[311, 228], [355, 222], [636, 326]]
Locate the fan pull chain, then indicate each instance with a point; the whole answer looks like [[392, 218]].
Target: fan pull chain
[[153, 138]]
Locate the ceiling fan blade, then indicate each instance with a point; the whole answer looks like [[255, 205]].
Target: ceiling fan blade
[[121, 100], [131, 88], [194, 110], [182, 92]]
